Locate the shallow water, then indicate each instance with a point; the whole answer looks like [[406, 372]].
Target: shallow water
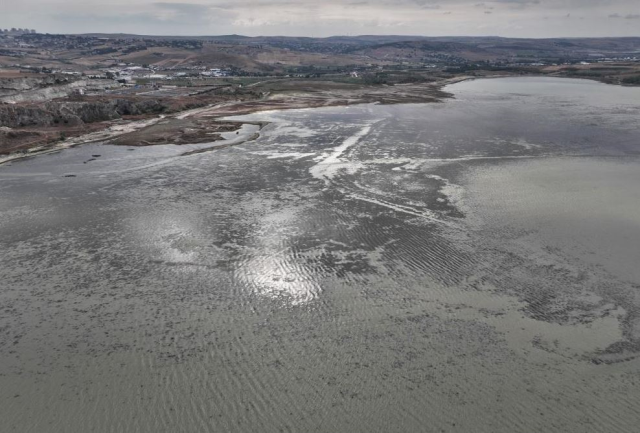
[[464, 266]]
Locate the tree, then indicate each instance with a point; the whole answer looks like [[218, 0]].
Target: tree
[[632, 80], [375, 79]]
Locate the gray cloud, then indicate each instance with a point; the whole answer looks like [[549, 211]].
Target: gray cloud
[[519, 1], [188, 8], [627, 17], [537, 18]]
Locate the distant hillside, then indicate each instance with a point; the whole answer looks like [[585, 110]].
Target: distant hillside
[[397, 46], [299, 55]]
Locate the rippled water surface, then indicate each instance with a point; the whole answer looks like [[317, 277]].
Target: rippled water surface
[[469, 266]]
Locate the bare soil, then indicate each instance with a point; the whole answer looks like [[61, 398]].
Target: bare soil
[[196, 119]]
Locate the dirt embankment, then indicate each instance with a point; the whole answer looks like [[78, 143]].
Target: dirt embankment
[[197, 117], [75, 112], [178, 131], [29, 125], [16, 84], [44, 87]]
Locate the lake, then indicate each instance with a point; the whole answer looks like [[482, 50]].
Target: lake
[[470, 265]]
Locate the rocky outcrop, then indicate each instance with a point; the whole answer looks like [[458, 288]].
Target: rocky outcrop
[[17, 85], [46, 94], [45, 87], [74, 112]]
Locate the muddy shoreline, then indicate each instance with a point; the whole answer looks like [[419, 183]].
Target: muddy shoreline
[[204, 124]]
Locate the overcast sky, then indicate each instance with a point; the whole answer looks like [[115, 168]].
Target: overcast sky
[[519, 18]]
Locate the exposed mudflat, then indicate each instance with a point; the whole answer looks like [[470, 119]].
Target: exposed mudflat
[[469, 266], [45, 127], [177, 131]]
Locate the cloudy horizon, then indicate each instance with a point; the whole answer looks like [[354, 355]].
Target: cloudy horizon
[[509, 18]]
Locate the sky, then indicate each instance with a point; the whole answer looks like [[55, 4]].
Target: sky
[[320, 18]]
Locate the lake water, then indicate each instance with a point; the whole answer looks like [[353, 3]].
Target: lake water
[[464, 266]]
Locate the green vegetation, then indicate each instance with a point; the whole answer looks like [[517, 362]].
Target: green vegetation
[[632, 80], [376, 79]]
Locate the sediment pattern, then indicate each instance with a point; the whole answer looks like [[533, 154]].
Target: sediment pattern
[[465, 266]]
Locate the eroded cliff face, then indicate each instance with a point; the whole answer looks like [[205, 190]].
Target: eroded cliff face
[[71, 113], [48, 87], [17, 85]]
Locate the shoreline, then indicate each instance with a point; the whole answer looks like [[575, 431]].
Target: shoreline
[[217, 113]]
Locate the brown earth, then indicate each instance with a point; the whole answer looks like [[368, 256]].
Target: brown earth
[[23, 139], [29, 125], [177, 131]]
